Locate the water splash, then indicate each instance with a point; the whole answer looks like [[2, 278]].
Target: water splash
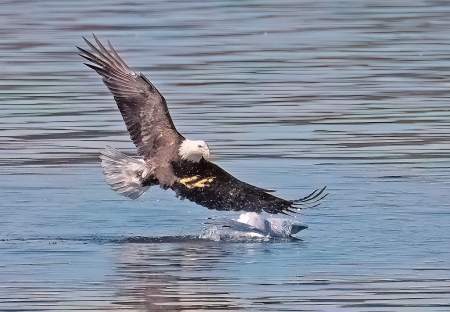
[[251, 226]]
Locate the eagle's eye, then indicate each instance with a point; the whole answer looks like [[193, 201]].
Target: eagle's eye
[[199, 146]]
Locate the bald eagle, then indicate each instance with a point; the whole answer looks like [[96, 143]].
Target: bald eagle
[[165, 157]]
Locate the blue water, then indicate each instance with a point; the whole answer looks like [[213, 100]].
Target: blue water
[[289, 95]]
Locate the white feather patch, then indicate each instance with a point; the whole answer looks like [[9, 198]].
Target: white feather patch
[[123, 173]]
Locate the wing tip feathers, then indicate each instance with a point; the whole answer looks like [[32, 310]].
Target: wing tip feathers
[[110, 59]]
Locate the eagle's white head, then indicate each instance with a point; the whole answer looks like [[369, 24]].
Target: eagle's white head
[[193, 150]]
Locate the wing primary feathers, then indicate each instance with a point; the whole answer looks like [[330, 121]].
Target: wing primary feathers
[[125, 87], [306, 198], [310, 197], [124, 65], [113, 75], [107, 73], [92, 57], [102, 47], [104, 55], [313, 198], [108, 55], [93, 67]]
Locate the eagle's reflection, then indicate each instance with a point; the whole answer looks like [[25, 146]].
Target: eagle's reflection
[[187, 275]]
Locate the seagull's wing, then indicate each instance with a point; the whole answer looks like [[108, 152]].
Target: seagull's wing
[[212, 187], [143, 108]]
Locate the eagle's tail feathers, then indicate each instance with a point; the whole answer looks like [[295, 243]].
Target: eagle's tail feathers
[[123, 173]]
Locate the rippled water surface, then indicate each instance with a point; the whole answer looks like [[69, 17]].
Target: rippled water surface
[[290, 95]]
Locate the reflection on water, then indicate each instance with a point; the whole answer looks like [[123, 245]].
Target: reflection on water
[[208, 276], [174, 277], [290, 95], [194, 274]]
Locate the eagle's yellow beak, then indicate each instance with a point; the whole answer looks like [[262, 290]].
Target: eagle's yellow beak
[[206, 152]]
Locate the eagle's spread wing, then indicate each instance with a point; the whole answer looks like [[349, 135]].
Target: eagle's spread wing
[[143, 108], [212, 187], [148, 121]]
